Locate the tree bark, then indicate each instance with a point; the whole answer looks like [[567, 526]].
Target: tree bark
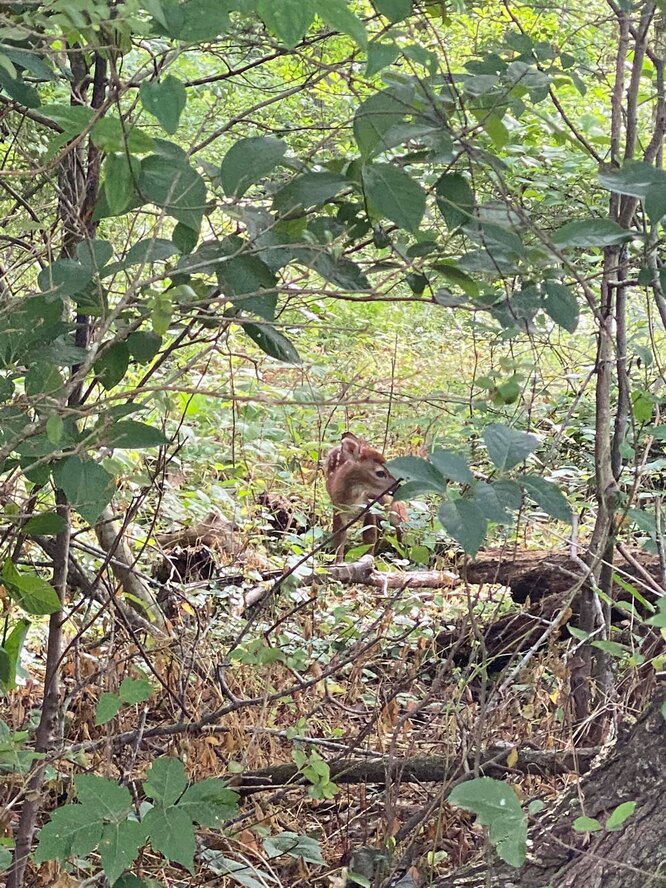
[[632, 857]]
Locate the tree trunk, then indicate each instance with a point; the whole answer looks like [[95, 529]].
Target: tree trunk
[[632, 857]]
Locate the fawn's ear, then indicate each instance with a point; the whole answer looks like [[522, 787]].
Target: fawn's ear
[[351, 444]]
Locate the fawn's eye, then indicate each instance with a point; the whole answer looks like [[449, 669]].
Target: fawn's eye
[[380, 473]]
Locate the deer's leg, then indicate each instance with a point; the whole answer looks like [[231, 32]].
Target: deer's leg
[[370, 533]]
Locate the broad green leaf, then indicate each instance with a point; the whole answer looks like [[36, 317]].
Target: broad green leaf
[[548, 496], [111, 134], [614, 648], [309, 190], [376, 116], [287, 19], [339, 16], [619, 815], [636, 179], [642, 405], [591, 233], [147, 251], [184, 238], [394, 10], [135, 690], [452, 465], [655, 203], [171, 833], [508, 447], [119, 846], [165, 100], [175, 186], [43, 380], [112, 364], [586, 824], [88, 487], [129, 434], [272, 342], [197, 21], [107, 798], [5, 859], [209, 802], [415, 468], [294, 845], [455, 199], [496, 806], [342, 272], [94, 254], [72, 830], [463, 520], [12, 647], [250, 284], [64, 277], [108, 707], [72, 118], [561, 304], [380, 55], [490, 504], [166, 780], [161, 312], [121, 176], [395, 194], [248, 161], [143, 345], [32, 593], [17, 89]]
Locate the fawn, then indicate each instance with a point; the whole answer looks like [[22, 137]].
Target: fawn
[[355, 475]]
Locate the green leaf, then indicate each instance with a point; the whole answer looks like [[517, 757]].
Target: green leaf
[[309, 190], [72, 118], [135, 690], [165, 100], [119, 846], [395, 194], [143, 345], [591, 233], [19, 90], [121, 176], [175, 186], [5, 859], [299, 847], [496, 806], [454, 199], [171, 833], [43, 380], [548, 496], [248, 161], [561, 304], [72, 830], [244, 280], [655, 204], [209, 802], [166, 780], [642, 405], [111, 134], [107, 798], [614, 648], [490, 504], [32, 593], [620, 815], [415, 468], [586, 824], [161, 312], [108, 707], [375, 117], [636, 179], [463, 520], [199, 21], [88, 487], [380, 55], [508, 447], [394, 10], [451, 465], [339, 16], [112, 364], [12, 647], [64, 277], [287, 19], [272, 342], [132, 435], [144, 252]]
